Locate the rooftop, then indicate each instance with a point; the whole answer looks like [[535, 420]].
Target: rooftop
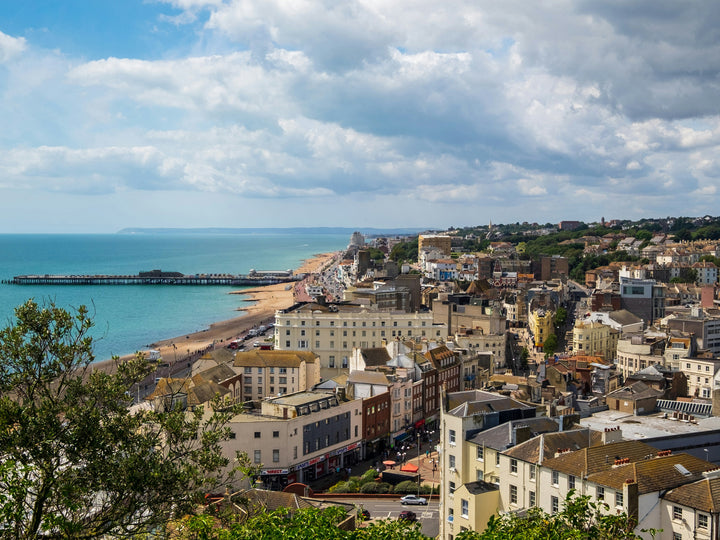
[[646, 427]]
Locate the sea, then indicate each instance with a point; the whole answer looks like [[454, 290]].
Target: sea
[[128, 318]]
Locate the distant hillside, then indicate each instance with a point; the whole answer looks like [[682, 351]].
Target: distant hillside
[[368, 231]]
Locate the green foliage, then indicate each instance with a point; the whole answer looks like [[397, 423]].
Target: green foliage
[[376, 254], [405, 251], [376, 487], [550, 345], [406, 486], [76, 462], [524, 355], [710, 258], [307, 523], [560, 316], [580, 518], [344, 487]]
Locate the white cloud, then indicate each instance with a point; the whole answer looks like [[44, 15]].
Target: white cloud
[[528, 105], [10, 47]]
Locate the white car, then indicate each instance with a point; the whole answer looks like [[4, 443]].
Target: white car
[[413, 499]]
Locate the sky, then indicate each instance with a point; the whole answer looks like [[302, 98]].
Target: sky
[[365, 113]]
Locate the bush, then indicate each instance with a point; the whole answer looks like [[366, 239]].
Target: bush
[[344, 487], [369, 476], [407, 486], [371, 487]]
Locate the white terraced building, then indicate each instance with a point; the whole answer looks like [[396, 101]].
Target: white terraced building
[[333, 331]]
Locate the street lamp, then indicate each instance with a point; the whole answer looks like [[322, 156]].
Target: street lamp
[[418, 463]]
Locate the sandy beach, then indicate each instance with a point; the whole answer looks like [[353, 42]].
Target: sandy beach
[[259, 309]]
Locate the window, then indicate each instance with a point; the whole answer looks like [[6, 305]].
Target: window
[[702, 521], [513, 494], [276, 434], [451, 436], [532, 473], [452, 461], [345, 361], [531, 498], [554, 506], [677, 512], [618, 498], [332, 360], [248, 370], [451, 515], [571, 482], [600, 493], [464, 505], [677, 536], [555, 478], [276, 455], [257, 434], [497, 458], [513, 466], [480, 453], [451, 487], [258, 454]]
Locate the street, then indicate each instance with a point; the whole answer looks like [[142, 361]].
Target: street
[[428, 516]]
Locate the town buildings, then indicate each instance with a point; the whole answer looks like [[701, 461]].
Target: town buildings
[[333, 331]]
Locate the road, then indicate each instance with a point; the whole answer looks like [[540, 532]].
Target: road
[[428, 516]]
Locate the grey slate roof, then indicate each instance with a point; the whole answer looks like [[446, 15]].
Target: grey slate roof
[[500, 437]]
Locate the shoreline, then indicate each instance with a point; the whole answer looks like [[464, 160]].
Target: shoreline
[[262, 302]]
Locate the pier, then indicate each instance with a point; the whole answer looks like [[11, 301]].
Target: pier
[[158, 277]]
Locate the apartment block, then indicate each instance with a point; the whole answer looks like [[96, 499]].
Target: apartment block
[[333, 331], [269, 373], [298, 437], [463, 416], [595, 339]]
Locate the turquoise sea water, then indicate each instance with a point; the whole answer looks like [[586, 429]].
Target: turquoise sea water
[[127, 318]]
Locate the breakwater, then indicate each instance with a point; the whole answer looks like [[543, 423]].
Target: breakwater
[[158, 277]]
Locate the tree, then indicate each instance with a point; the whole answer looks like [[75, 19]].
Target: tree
[[524, 355], [560, 317], [580, 518], [75, 461], [550, 345], [306, 523]]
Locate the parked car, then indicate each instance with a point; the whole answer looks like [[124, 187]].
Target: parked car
[[407, 515], [413, 499]]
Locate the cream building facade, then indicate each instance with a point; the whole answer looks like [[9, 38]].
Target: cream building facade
[[269, 373], [298, 437], [595, 339], [333, 331]]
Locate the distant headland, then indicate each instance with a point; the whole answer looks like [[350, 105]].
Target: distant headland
[[369, 231]]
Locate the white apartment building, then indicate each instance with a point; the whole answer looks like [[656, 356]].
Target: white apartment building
[[628, 476], [700, 373], [333, 331], [298, 437], [637, 352], [459, 461]]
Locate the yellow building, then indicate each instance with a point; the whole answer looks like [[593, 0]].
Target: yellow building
[[540, 323]]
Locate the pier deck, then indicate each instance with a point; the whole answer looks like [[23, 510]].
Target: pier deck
[[157, 277]]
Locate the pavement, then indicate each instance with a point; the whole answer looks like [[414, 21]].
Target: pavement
[[424, 462]]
